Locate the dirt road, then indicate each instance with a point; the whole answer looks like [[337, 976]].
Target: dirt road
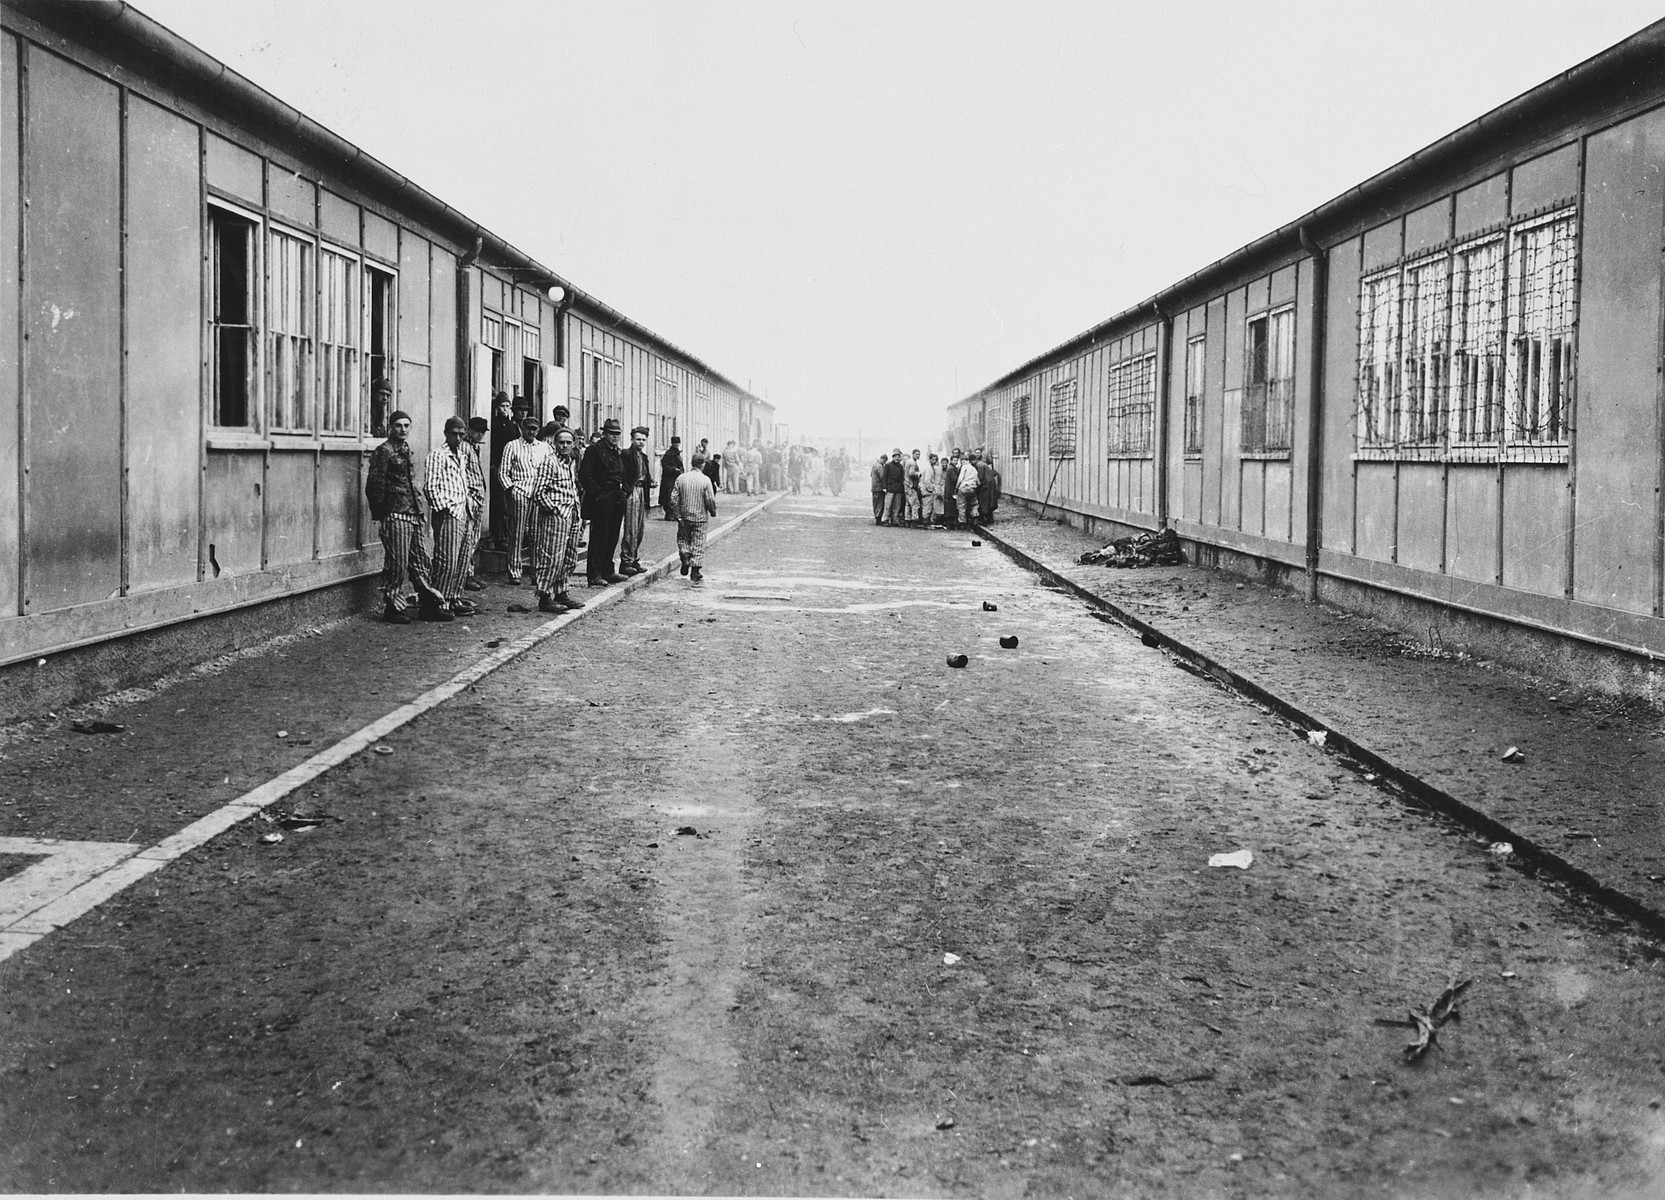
[[743, 890]]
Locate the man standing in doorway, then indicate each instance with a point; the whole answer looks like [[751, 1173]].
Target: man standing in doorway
[[397, 507], [601, 483], [520, 464], [448, 486], [478, 428], [504, 430], [638, 498]]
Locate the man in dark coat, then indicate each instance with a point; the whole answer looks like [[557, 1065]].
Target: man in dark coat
[[713, 469], [988, 488], [950, 490], [670, 466], [504, 429], [638, 492], [896, 478], [602, 484]]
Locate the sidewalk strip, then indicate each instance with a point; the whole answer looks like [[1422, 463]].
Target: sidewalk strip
[[1528, 852], [75, 893]]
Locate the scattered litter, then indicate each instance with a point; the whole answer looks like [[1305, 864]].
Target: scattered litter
[[757, 595], [1581, 833], [300, 823], [1318, 736], [1009, 643], [1457, 1100], [1237, 858], [1158, 1081], [1234, 1158], [1513, 755], [1507, 975], [384, 749], [271, 839], [653, 845], [1500, 849], [975, 542], [987, 607], [283, 733], [97, 726], [1428, 1021], [957, 660], [945, 1122], [494, 643], [1146, 550], [949, 960], [687, 831], [518, 608]]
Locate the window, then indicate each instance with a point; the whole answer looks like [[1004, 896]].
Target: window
[[1269, 382], [338, 342], [1060, 420], [289, 332], [491, 336], [1132, 396], [1196, 363], [1539, 385], [667, 400], [1472, 350], [602, 381], [231, 341], [1020, 427], [379, 312], [531, 368]]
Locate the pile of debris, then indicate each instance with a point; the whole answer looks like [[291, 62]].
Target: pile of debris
[[1146, 550]]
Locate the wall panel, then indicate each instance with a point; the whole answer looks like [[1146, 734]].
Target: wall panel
[[1375, 521], [232, 508], [72, 306], [1617, 417], [413, 398], [338, 218], [1278, 499], [1428, 226], [290, 507], [11, 411], [449, 395], [1384, 244], [291, 197], [1481, 206], [1231, 414], [164, 378], [1545, 180], [1213, 410], [1471, 523], [1341, 348], [1535, 528], [339, 499], [381, 237], [235, 170], [1421, 515], [1252, 496], [413, 303]]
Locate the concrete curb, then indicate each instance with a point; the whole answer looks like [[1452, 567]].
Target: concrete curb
[[1528, 852], [59, 910]]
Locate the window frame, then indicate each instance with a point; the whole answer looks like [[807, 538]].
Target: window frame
[[375, 274], [1196, 381], [1276, 390], [354, 421], [303, 341], [1130, 392], [1023, 404], [1066, 392], [254, 407]]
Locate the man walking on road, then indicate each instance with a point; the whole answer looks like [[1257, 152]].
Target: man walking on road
[[555, 526], [520, 464], [638, 484], [695, 503], [601, 484], [448, 485], [396, 505]]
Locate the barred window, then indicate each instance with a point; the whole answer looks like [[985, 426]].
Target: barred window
[[1060, 420], [289, 325], [1132, 394], [1473, 350], [1020, 427], [1540, 330], [1196, 366], [1269, 386], [338, 339]]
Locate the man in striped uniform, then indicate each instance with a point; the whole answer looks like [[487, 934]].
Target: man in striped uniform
[[451, 509], [478, 428], [555, 526], [397, 507], [520, 464]]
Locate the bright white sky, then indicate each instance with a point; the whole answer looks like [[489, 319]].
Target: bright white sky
[[868, 209]]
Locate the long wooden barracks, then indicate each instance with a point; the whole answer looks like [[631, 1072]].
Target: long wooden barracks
[[206, 286], [1436, 397]]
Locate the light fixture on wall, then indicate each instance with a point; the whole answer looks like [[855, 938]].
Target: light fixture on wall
[[557, 293]]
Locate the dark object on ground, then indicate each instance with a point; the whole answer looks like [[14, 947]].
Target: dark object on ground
[[518, 608], [1150, 639], [987, 607], [1009, 643], [1427, 1021], [96, 726], [494, 643], [957, 660], [1158, 1081], [975, 542], [1146, 550], [687, 831]]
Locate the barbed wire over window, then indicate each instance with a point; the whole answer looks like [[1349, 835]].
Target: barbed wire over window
[[1469, 353], [1020, 427], [1132, 405], [1060, 420]]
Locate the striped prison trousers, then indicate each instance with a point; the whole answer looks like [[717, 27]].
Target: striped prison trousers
[[450, 568], [555, 551], [405, 564]]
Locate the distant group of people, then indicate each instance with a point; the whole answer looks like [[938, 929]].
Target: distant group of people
[[933, 491], [553, 494]]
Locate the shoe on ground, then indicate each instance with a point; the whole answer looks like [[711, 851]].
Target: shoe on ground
[[434, 612], [684, 564], [514, 579], [567, 601], [395, 616], [592, 581], [463, 608], [474, 585], [549, 604], [633, 569], [615, 577], [697, 577]]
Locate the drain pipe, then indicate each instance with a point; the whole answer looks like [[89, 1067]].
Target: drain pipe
[[1160, 439], [1315, 407]]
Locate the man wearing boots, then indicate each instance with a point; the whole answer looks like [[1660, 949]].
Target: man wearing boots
[[450, 493], [555, 526], [694, 501], [396, 506], [638, 488], [601, 483]]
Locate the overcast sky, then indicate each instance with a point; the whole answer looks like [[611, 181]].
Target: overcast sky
[[868, 210]]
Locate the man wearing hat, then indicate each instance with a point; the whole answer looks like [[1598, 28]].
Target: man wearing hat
[[478, 428], [451, 509], [555, 526], [520, 464], [638, 490], [397, 507], [601, 483], [504, 430], [670, 466]]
